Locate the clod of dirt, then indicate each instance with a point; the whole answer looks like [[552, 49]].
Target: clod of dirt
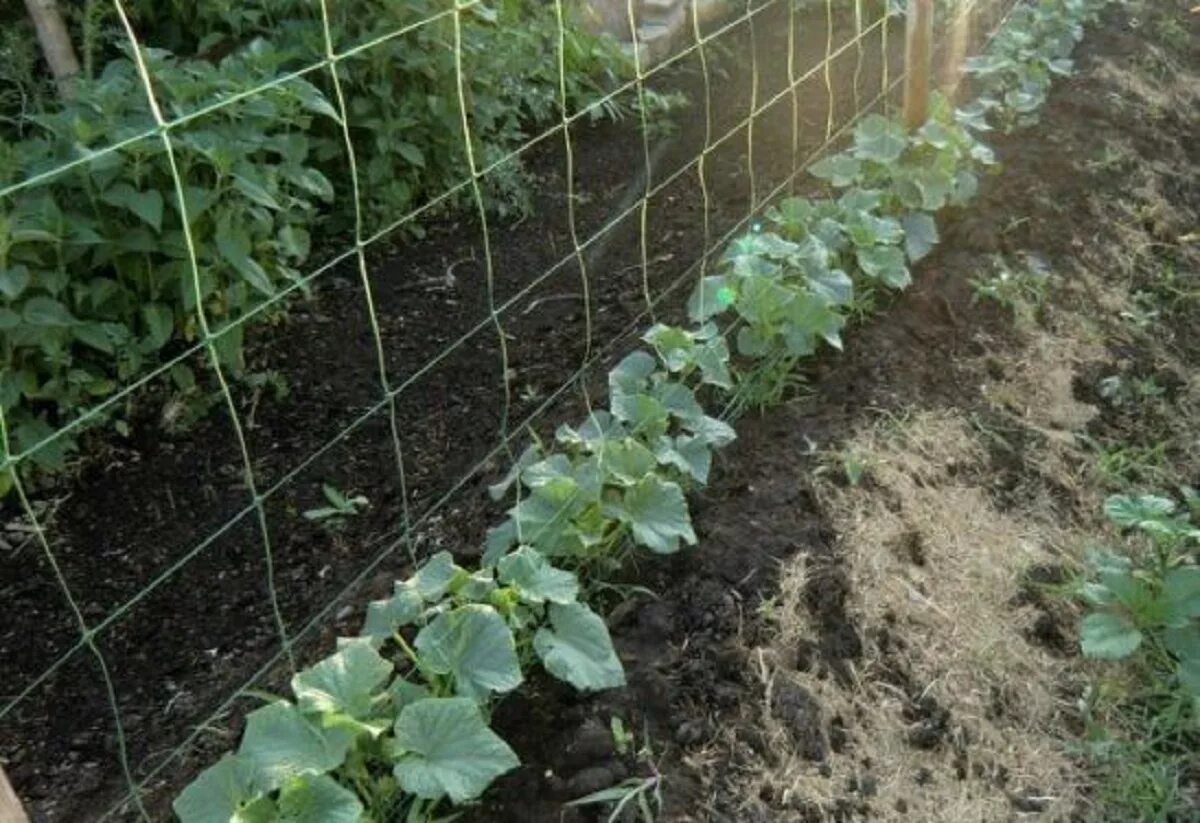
[[800, 713], [931, 723], [591, 743], [691, 732], [595, 778], [1047, 631]]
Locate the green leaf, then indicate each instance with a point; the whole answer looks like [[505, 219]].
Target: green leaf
[[221, 794], [344, 682], [255, 192], [475, 646], [147, 205], [1184, 643], [1138, 512], [295, 241], [448, 750], [233, 243], [13, 281], [886, 264], [839, 169], [714, 432], [280, 744], [578, 649], [318, 799], [879, 139], [712, 296], [1181, 588], [48, 312], [385, 616], [691, 455], [160, 323], [433, 578], [657, 513], [534, 579], [94, 335], [630, 375], [1109, 636], [411, 154], [920, 234]]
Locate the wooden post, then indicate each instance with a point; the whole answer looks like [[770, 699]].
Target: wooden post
[[11, 810], [918, 61], [56, 44]]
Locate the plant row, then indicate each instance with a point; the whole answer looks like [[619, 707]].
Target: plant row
[[395, 724], [96, 285]]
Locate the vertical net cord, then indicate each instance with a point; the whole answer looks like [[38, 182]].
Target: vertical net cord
[[202, 319], [858, 65], [885, 58], [828, 67], [368, 294], [753, 107], [791, 72], [572, 226], [87, 634], [702, 161], [647, 165], [481, 208]]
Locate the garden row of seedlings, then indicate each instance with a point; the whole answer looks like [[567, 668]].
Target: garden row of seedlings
[[394, 725]]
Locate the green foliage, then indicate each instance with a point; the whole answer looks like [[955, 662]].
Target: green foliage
[[397, 718], [1021, 290], [1027, 55], [340, 506], [1144, 618]]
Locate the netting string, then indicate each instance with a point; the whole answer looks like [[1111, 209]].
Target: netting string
[[87, 635], [255, 506], [202, 320], [368, 295]]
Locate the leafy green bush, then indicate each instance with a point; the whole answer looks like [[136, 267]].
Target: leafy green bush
[[1142, 713], [94, 271], [95, 282], [409, 730]]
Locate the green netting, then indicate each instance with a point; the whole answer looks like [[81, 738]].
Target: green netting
[[389, 389]]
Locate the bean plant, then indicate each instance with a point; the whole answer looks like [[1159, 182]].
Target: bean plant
[[396, 723], [96, 285]]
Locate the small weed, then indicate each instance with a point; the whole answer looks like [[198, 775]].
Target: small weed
[[1120, 391], [341, 506], [1022, 291], [1144, 611], [643, 794], [1124, 465]]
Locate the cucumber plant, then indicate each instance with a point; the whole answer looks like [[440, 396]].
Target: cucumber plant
[[394, 725]]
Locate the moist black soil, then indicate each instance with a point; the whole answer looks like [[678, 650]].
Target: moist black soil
[[171, 502]]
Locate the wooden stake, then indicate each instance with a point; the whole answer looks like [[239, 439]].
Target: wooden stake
[[918, 60], [56, 44], [11, 810]]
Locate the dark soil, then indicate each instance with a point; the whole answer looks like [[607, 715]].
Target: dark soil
[[180, 652]]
